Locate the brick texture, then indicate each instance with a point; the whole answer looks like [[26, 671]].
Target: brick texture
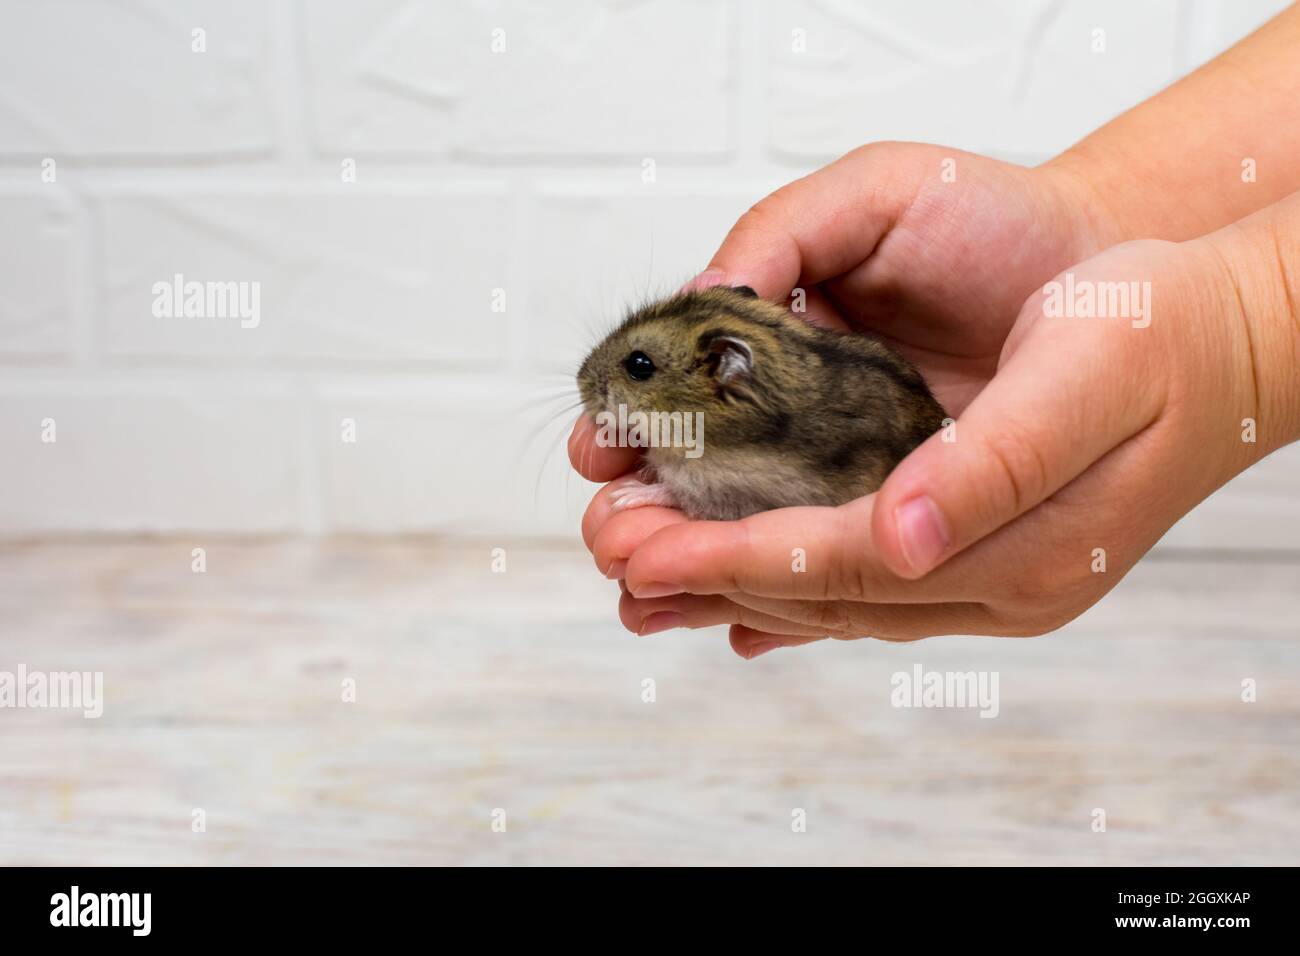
[[442, 204]]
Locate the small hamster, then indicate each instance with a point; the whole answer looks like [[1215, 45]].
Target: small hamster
[[787, 413]]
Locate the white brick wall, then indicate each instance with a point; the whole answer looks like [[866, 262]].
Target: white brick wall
[[474, 171]]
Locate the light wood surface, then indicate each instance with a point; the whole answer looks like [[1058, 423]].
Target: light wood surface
[[520, 691]]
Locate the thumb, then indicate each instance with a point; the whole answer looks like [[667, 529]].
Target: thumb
[[1066, 397], [820, 226]]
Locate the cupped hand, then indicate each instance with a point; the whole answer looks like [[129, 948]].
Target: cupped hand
[[931, 249], [1051, 484]]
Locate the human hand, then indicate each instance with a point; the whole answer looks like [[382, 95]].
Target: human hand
[[882, 241], [929, 248], [1093, 437]]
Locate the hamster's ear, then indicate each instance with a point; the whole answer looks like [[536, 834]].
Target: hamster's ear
[[746, 291], [730, 361]]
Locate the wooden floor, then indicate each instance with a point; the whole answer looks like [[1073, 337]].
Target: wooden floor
[[519, 691]]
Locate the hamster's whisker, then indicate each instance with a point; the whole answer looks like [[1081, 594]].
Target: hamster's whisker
[[551, 448]]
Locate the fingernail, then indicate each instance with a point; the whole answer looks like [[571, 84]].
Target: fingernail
[[654, 589], [706, 280], [660, 621], [762, 647], [616, 570], [922, 534]]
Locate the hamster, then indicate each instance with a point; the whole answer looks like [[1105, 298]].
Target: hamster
[[788, 413]]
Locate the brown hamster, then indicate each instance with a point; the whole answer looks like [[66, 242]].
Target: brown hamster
[[786, 413]]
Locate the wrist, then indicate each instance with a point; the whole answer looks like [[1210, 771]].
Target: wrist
[[1259, 263], [1094, 214], [1127, 194]]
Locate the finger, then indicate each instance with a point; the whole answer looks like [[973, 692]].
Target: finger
[[1037, 425], [593, 461], [601, 508], [1049, 553], [750, 643], [819, 226], [885, 622], [816, 308], [614, 535], [812, 304], [814, 554], [1041, 570], [695, 611]]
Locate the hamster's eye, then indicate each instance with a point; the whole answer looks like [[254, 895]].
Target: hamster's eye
[[639, 366]]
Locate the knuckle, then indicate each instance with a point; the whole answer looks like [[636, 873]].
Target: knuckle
[[761, 216], [849, 583], [881, 149], [834, 616], [846, 576], [1024, 473]]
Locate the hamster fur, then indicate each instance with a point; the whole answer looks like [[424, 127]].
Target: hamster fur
[[792, 414]]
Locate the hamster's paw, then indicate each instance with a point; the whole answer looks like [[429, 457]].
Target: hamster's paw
[[638, 494]]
